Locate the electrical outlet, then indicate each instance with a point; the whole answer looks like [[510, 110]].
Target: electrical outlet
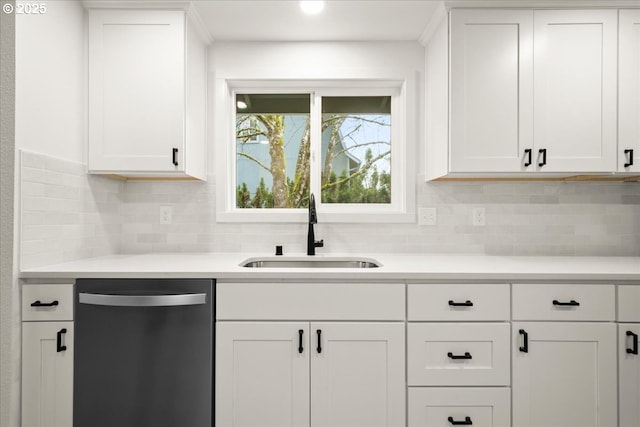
[[166, 214], [479, 218], [427, 216]]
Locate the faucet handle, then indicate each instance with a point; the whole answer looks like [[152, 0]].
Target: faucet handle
[[319, 243]]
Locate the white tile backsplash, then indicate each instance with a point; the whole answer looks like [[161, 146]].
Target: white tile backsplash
[[67, 215]]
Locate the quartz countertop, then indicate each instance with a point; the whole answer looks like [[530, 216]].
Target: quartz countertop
[[394, 267]]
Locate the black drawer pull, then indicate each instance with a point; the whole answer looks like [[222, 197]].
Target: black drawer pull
[[44, 304], [466, 355], [467, 422], [467, 303], [527, 152], [175, 157], [319, 348], [300, 348], [572, 303], [525, 343], [630, 157], [634, 348], [543, 151], [59, 346]]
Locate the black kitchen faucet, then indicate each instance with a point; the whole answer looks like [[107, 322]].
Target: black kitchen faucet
[[312, 243]]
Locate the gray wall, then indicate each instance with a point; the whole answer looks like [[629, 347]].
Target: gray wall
[[9, 366]]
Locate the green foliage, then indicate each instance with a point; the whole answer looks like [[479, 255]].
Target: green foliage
[[242, 196]]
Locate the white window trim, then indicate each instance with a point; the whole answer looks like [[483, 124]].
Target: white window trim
[[404, 136]]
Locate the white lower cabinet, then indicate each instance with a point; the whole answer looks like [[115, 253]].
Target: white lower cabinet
[[444, 406], [310, 374], [629, 374], [262, 378], [47, 355], [564, 374]]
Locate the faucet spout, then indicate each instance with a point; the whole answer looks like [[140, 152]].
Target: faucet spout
[[312, 244]]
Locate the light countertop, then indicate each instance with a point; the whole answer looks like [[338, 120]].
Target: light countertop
[[395, 267]]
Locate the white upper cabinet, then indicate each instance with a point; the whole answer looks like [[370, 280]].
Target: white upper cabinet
[[629, 91], [575, 57], [491, 89], [146, 94], [531, 93]]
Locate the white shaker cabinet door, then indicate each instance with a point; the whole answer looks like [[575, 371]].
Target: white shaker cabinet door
[[47, 374], [136, 90], [262, 374], [357, 375], [491, 90], [575, 87], [629, 91], [564, 374], [629, 374]]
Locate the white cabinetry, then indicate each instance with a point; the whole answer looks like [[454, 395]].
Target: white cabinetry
[[628, 358], [629, 91], [262, 378], [273, 371], [445, 406], [491, 89], [47, 356], [564, 374], [530, 91], [575, 81], [147, 94], [470, 352]]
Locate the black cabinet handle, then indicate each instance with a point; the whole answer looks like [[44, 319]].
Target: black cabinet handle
[[44, 304], [572, 303], [59, 346], [634, 348], [527, 153], [543, 151], [466, 355], [467, 422], [467, 303], [175, 157], [319, 348], [300, 348], [629, 157], [525, 344]]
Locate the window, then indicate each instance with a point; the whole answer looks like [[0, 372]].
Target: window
[[343, 143]]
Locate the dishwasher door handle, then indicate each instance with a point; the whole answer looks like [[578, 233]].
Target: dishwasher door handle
[[142, 300]]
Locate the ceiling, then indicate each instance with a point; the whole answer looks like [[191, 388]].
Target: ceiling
[[346, 20], [341, 20]]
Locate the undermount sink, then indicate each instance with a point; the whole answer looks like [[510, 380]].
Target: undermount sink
[[323, 262]]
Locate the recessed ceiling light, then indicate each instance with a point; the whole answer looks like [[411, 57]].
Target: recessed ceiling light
[[312, 7], [241, 105]]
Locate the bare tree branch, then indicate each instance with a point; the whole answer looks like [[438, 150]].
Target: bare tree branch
[[359, 172], [258, 162], [364, 145]]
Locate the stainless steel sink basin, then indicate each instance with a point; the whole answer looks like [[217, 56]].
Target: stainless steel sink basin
[[323, 262]]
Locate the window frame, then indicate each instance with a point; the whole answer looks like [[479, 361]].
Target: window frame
[[402, 206]]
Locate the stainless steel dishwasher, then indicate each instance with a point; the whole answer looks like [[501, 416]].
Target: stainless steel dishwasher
[[143, 353]]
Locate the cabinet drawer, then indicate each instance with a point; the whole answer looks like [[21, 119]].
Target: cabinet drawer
[[310, 301], [458, 302], [564, 302], [486, 407], [441, 354], [629, 303], [47, 302]]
